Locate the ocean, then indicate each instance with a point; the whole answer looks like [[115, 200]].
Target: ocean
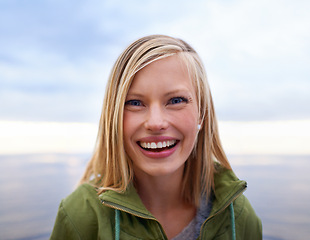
[[32, 186]]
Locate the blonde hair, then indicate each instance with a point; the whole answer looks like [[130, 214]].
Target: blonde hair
[[110, 167]]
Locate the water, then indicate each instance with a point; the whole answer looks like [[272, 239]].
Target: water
[[279, 190], [31, 187]]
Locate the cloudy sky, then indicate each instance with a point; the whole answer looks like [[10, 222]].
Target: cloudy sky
[[55, 56]]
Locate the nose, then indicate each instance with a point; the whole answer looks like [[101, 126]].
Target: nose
[[156, 118]]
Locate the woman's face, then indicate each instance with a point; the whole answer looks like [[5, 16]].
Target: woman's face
[[160, 118]]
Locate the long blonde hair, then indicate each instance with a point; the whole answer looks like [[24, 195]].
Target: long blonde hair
[[110, 168]]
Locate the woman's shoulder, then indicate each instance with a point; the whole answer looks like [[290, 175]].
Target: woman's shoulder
[[80, 201], [82, 193], [84, 200], [229, 186], [81, 214], [248, 223], [243, 208]]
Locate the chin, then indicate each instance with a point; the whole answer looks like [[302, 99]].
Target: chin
[[162, 171]]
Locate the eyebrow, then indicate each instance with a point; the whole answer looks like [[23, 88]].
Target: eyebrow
[[177, 91], [134, 95]]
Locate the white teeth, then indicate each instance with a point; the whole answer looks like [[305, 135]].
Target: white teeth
[[153, 145]]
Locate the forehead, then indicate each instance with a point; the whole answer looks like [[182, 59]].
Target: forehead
[[170, 72]]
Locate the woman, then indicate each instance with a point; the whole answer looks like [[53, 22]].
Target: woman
[[159, 170]]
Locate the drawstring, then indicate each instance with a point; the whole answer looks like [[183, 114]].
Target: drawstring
[[116, 224], [232, 222]]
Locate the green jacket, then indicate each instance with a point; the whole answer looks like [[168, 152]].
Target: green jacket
[[84, 215]]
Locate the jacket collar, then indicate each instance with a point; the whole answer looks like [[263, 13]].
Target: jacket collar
[[227, 187], [128, 201]]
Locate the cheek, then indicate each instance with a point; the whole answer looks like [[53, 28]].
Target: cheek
[[130, 124], [187, 120], [126, 127], [190, 129], [188, 124]]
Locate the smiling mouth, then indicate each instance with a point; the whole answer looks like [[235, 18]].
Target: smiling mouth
[[158, 146]]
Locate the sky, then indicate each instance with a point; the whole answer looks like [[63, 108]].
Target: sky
[[56, 56]]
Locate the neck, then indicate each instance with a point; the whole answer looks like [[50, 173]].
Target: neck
[[160, 192], [162, 196]]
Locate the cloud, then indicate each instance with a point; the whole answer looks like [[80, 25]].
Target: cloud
[[59, 54], [257, 57]]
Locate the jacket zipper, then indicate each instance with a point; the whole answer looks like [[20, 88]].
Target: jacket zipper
[[235, 196], [134, 213]]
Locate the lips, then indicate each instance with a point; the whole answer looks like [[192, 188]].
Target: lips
[[160, 145]]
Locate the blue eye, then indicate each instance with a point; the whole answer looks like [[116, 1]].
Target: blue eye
[[176, 100], [133, 103]]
